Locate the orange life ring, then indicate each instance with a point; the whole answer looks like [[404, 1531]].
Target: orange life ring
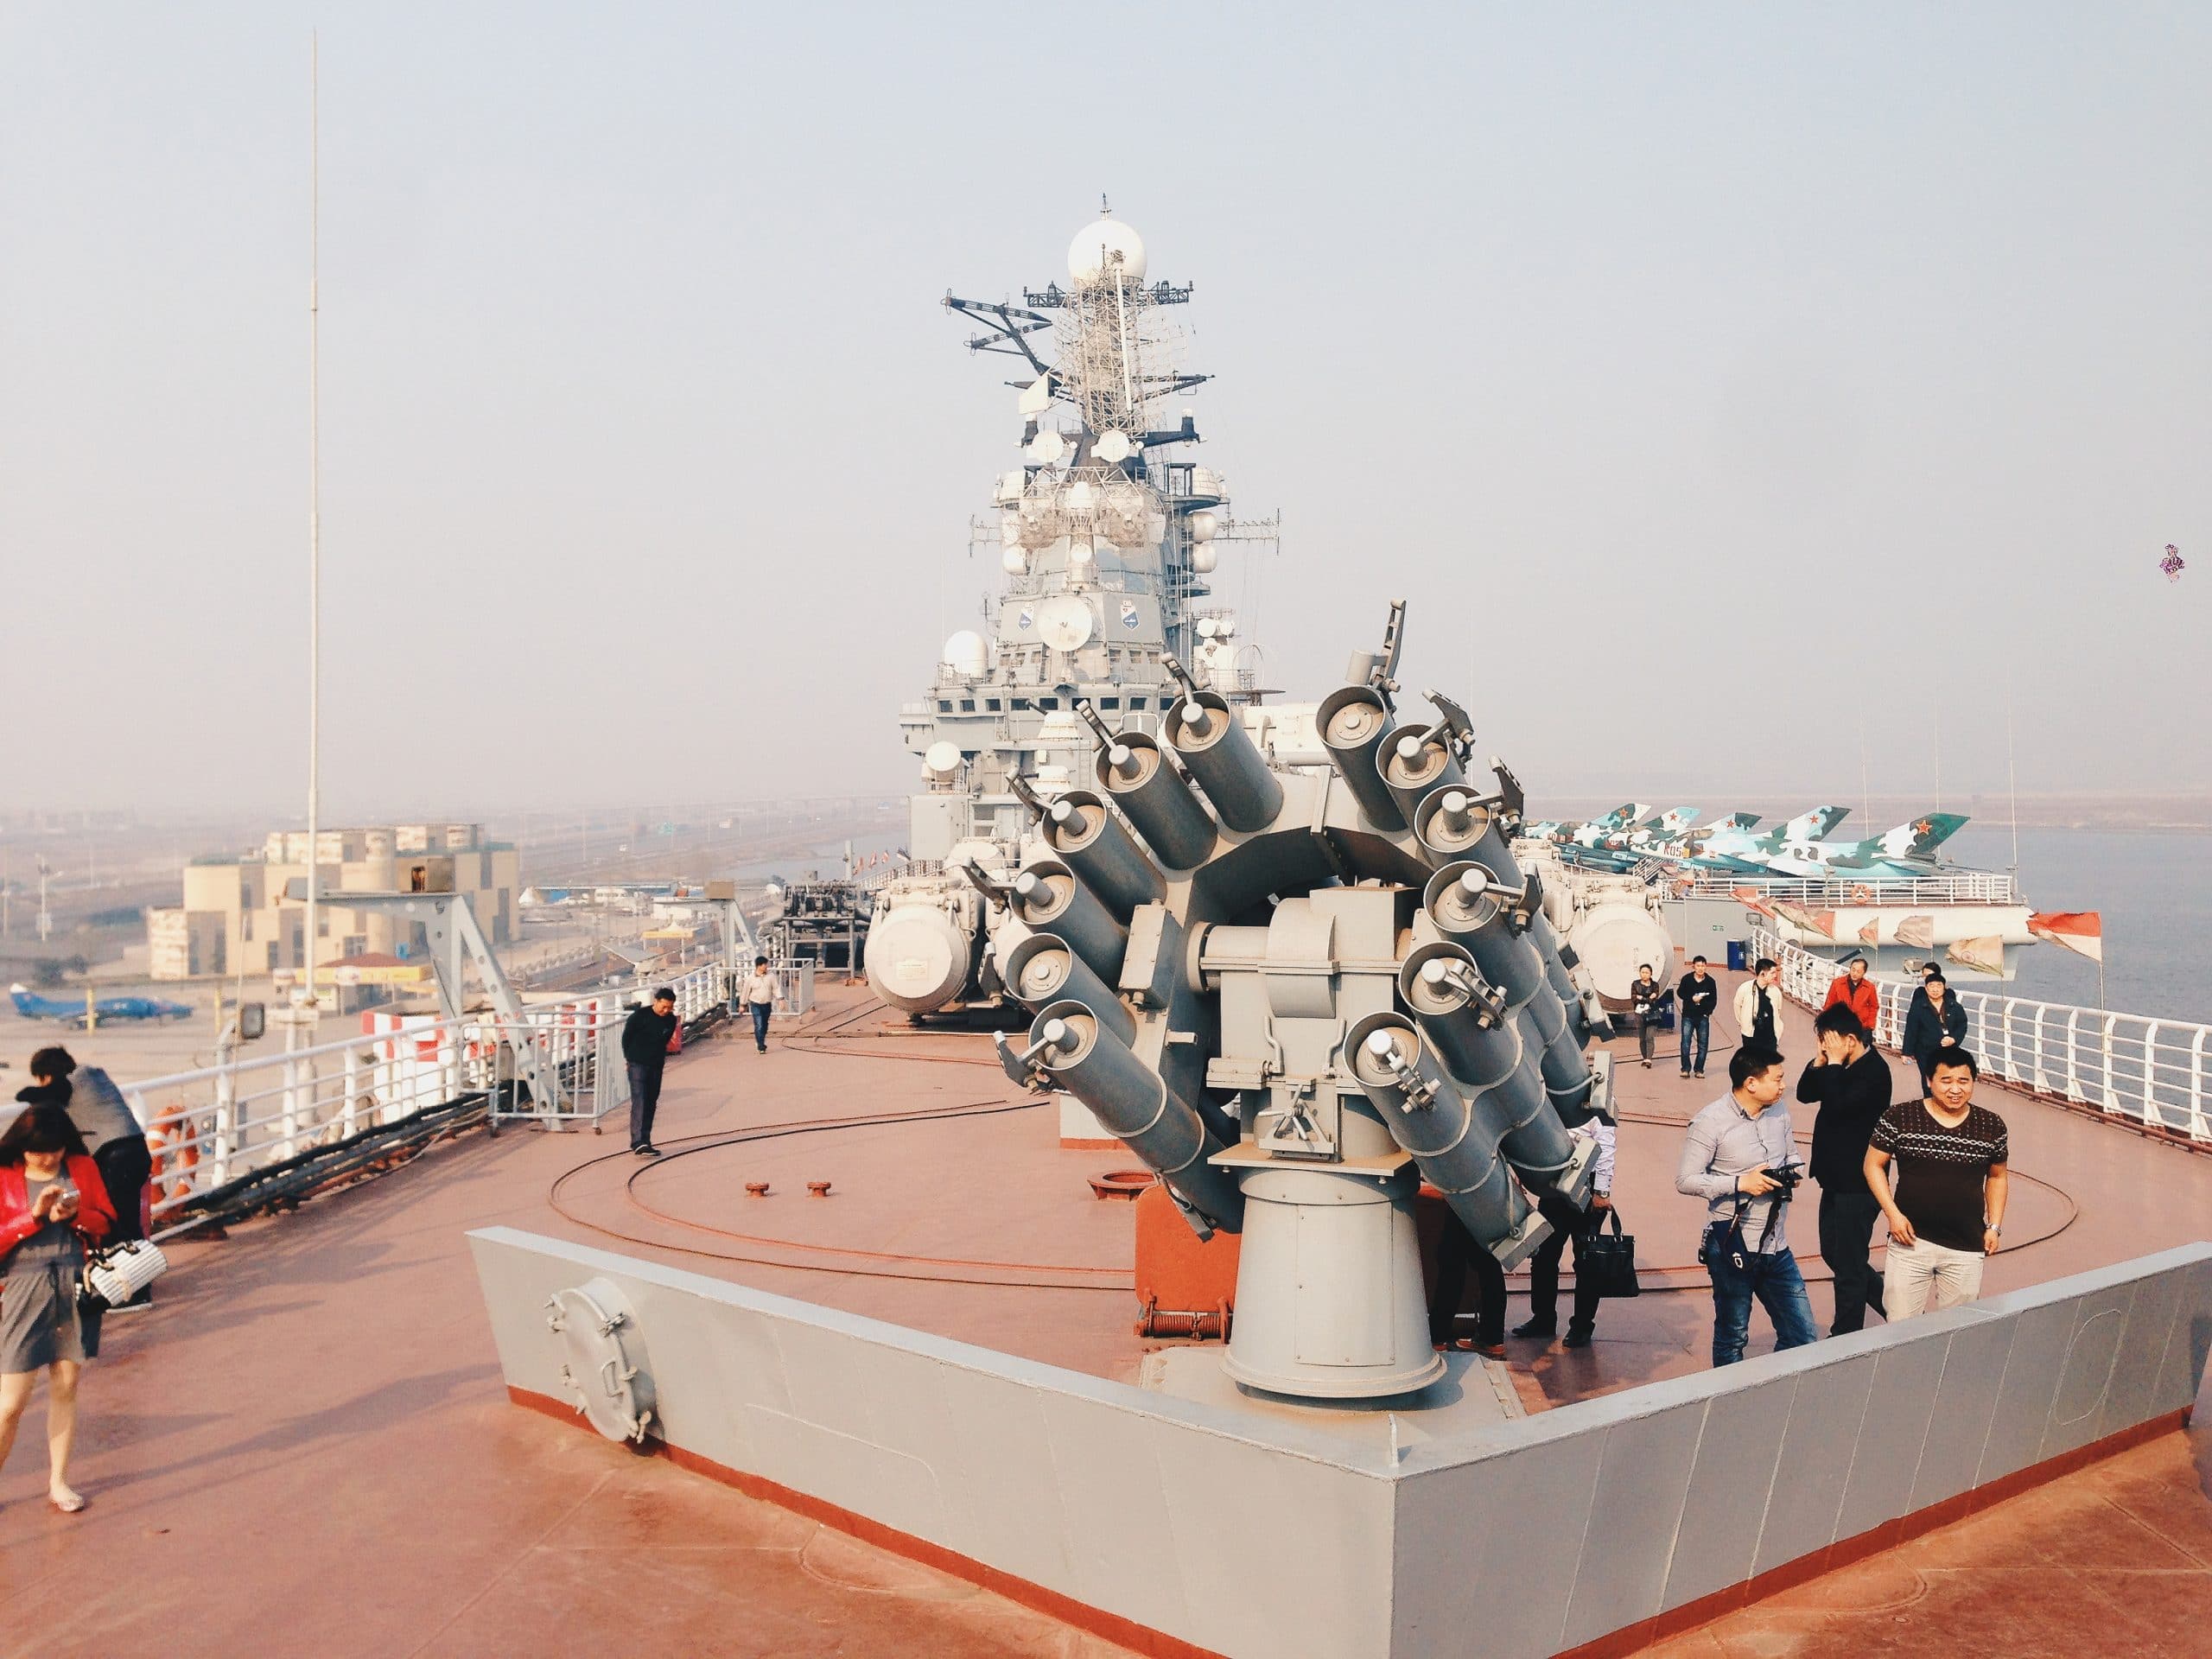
[[1862, 894], [172, 1128]]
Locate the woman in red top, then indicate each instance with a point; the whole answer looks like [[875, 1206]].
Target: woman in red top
[[50, 1194]]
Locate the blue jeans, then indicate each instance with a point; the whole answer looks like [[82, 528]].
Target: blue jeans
[[1699, 1026], [1773, 1278], [761, 1012]]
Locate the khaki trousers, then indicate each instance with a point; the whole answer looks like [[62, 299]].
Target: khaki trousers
[[1913, 1270]]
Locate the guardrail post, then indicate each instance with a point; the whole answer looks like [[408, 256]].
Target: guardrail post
[[349, 1113], [2151, 1112], [226, 1136], [2110, 1091], [2197, 1127], [288, 1123]]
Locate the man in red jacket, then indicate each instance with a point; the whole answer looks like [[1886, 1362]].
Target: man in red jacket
[[1856, 992]]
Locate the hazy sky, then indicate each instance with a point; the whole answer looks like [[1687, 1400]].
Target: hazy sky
[[1716, 381]]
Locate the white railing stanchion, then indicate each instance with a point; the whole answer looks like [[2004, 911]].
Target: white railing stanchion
[[2153, 1070]]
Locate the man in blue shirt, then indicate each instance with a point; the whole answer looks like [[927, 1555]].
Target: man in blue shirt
[[1730, 1155]]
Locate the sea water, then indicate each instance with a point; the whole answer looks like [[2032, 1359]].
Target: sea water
[[2154, 891]]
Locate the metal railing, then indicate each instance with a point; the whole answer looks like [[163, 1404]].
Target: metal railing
[[2157, 1071], [210, 1126], [1959, 888]]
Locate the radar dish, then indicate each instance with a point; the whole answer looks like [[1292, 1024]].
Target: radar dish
[[1046, 449], [1114, 447], [1102, 247], [1065, 622], [942, 758]]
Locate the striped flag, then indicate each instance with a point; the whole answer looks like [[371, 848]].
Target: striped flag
[[1819, 923], [1917, 931], [1752, 898], [1985, 955], [1871, 934], [2082, 931]]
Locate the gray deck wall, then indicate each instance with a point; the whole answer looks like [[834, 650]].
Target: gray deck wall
[[1246, 1536]]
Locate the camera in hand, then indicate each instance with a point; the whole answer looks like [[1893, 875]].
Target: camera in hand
[[1786, 1176]]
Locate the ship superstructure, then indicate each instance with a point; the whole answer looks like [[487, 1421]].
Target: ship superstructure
[[1108, 531]]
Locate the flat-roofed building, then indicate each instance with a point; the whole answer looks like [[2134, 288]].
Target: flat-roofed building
[[236, 919]]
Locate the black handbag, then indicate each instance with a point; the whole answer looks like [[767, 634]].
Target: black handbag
[[1606, 1263]]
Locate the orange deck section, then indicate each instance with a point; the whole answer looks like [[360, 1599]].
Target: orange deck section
[[308, 1446]]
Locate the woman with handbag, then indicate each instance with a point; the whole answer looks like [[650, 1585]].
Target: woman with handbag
[[50, 1193]]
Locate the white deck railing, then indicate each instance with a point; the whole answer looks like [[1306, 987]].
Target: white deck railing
[[2155, 1071], [211, 1126], [1956, 887]]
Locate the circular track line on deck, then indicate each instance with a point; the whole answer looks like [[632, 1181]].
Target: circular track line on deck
[[870, 1264]]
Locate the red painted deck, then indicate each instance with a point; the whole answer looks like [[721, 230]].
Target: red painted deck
[[307, 1448]]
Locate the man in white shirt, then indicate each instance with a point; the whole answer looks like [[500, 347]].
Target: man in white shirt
[[1758, 1006], [759, 996]]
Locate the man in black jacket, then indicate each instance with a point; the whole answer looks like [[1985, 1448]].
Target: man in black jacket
[[644, 1048], [1696, 996], [1850, 1083], [1936, 1020]]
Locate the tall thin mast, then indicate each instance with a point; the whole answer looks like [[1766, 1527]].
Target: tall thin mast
[[314, 503]]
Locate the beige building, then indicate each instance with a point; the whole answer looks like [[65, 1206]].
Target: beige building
[[236, 919]]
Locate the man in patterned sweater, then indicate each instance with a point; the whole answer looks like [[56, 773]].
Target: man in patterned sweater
[[1946, 1206]]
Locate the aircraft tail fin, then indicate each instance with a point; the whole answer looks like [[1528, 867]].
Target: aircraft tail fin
[[1920, 837], [1816, 825]]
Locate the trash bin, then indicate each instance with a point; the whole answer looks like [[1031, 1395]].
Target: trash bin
[[1739, 955]]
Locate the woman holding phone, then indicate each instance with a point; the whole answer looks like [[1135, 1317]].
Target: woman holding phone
[[50, 1193]]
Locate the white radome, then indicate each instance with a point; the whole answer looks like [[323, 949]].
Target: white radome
[[1015, 560], [942, 758], [1090, 254], [1203, 526], [963, 652], [1203, 558]]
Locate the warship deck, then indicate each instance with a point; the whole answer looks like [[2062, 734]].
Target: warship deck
[[309, 1447]]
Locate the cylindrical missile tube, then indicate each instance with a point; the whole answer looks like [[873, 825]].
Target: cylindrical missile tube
[[1451, 824], [1219, 752], [1134, 1103], [1467, 1023], [1134, 773], [1416, 761], [1469, 909], [1465, 1018], [1468, 905], [1354, 721], [1050, 898], [1096, 846], [1043, 969], [1433, 1119]]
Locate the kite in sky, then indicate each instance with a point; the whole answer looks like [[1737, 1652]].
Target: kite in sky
[[2173, 564]]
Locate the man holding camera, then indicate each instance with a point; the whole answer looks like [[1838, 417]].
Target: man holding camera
[[1737, 1156]]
